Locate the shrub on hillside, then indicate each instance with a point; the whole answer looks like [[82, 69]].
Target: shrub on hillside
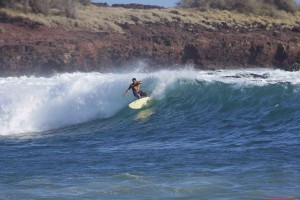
[[8, 3], [70, 9], [85, 2], [40, 6], [60, 7], [193, 3], [248, 5], [287, 5], [253, 6], [58, 4], [25, 4]]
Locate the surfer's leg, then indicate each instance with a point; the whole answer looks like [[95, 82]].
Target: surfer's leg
[[137, 95], [143, 94]]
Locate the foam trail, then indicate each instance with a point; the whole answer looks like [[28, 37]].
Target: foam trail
[[30, 104]]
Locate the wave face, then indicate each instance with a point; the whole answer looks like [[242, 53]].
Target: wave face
[[30, 104]]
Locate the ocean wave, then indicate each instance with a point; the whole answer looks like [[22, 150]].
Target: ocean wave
[[34, 104]]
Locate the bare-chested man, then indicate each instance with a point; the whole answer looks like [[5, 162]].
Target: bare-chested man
[[135, 86]]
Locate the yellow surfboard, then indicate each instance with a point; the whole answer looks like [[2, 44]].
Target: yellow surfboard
[[138, 104]]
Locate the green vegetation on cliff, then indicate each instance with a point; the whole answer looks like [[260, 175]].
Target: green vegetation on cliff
[[259, 7], [93, 18], [61, 7]]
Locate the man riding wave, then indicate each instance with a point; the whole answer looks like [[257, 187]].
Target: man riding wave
[[135, 86]]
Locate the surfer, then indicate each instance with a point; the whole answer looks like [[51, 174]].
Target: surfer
[[135, 86]]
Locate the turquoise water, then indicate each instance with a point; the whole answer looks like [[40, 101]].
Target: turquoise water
[[230, 134]]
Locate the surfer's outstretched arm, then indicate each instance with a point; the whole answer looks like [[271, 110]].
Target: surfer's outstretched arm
[[127, 90], [125, 93]]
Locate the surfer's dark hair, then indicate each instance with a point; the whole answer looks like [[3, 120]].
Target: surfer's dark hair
[[134, 79]]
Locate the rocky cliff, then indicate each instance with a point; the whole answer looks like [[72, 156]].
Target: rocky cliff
[[29, 46]]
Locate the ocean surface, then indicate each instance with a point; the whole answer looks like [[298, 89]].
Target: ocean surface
[[228, 134]]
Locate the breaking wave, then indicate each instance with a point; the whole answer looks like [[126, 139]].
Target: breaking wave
[[34, 104]]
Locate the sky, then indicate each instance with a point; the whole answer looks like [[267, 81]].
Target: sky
[[164, 3]]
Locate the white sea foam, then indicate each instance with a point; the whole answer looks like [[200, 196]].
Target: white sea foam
[[30, 104], [36, 104]]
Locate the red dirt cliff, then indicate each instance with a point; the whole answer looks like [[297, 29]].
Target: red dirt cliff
[[28, 48]]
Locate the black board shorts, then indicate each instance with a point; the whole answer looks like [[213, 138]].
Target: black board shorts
[[140, 94]]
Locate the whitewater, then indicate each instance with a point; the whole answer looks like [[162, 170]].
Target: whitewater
[[224, 134]]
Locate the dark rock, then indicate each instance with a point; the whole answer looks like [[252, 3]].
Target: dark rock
[[295, 67], [281, 53], [275, 33], [191, 53], [264, 76], [296, 29], [255, 52], [124, 26]]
